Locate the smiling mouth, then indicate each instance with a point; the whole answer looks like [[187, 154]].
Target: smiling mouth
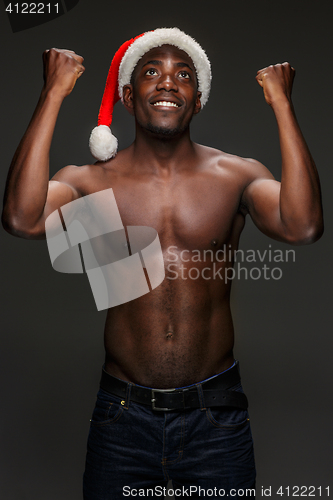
[[166, 104]]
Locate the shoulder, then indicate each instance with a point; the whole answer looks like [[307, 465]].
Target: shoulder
[[70, 172], [221, 162], [84, 178], [73, 173]]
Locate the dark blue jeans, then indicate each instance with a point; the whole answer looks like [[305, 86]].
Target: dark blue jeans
[[134, 451]]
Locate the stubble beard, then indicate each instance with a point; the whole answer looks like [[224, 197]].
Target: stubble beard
[[165, 132]]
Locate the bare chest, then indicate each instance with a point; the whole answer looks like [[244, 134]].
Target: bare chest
[[189, 211]]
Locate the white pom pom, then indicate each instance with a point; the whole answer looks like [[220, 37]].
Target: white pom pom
[[103, 144]]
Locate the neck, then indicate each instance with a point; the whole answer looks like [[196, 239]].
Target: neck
[[162, 154]]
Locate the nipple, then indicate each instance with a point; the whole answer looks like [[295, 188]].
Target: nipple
[[214, 243]]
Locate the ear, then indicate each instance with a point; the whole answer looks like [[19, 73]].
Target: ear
[[128, 98], [197, 104]]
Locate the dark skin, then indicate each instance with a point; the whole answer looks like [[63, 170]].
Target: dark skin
[[195, 197]]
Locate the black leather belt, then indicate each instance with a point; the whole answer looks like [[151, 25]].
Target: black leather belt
[[214, 392]]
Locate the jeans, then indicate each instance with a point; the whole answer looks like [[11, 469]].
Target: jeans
[[134, 451]]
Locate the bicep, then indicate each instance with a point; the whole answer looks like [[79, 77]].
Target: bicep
[[262, 200], [59, 193], [62, 189]]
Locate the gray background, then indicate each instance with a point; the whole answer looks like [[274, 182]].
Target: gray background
[[51, 334]]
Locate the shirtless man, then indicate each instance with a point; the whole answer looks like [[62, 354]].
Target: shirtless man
[[181, 333]]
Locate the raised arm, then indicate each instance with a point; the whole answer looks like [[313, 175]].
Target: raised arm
[[289, 211], [29, 196]]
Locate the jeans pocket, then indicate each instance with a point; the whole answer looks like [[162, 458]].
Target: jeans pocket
[[108, 409], [226, 417]]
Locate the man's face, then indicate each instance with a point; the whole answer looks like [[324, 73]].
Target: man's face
[[163, 94]]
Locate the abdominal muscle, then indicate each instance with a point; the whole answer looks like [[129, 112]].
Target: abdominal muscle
[[176, 335]]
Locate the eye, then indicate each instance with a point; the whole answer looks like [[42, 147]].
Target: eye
[[184, 74], [151, 72]]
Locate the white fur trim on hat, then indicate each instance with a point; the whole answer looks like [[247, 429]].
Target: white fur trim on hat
[[167, 36], [103, 144]]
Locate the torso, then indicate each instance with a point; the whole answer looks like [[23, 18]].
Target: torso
[[181, 332]]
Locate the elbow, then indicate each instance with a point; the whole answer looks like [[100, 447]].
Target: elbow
[[15, 227], [317, 232], [8, 223], [306, 236]]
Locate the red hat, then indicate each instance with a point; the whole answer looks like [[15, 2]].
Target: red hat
[[103, 144]]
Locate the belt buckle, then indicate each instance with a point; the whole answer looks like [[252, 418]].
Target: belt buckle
[[153, 399]]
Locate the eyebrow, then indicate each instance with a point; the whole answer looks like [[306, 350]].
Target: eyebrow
[[159, 63]]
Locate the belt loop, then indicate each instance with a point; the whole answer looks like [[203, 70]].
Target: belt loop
[[128, 395], [201, 397]]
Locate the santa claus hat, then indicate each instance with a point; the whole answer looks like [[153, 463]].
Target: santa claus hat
[[103, 144]]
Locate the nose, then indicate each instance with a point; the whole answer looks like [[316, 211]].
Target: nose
[[167, 82]]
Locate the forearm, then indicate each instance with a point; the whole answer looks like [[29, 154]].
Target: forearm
[[300, 196], [28, 178]]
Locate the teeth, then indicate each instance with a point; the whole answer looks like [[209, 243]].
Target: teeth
[[166, 103]]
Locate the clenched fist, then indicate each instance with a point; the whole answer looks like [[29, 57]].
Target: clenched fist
[[61, 70], [277, 82]]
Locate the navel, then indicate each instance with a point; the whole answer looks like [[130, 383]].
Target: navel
[[169, 335]]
